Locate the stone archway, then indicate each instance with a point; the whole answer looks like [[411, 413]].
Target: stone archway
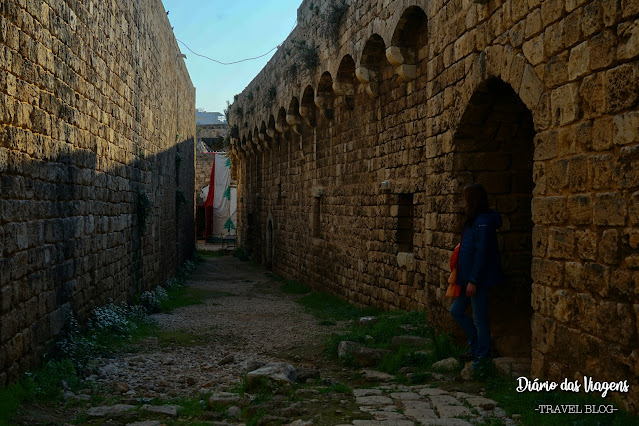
[[494, 146]]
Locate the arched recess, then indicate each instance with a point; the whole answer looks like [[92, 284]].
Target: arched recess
[[271, 131], [308, 109], [344, 84], [270, 238], [256, 139], [243, 144], [264, 137], [493, 145], [408, 39], [293, 117], [324, 98], [369, 70], [281, 125]]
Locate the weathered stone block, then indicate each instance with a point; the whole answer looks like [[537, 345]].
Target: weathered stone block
[[602, 133], [561, 243], [610, 210], [602, 171], [594, 95], [565, 103], [549, 210], [547, 272], [545, 145], [539, 241], [626, 128], [634, 209], [592, 19], [579, 61], [628, 40], [587, 243], [622, 84], [609, 246]]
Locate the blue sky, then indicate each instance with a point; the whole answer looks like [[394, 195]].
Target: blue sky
[[228, 31]]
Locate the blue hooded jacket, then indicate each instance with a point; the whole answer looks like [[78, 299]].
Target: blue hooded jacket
[[479, 260]]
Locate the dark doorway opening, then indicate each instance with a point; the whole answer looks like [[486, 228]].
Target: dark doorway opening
[[494, 147]]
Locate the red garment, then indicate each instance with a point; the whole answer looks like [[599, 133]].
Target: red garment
[[454, 257]]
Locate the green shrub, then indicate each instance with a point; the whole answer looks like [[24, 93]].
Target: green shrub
[[241, 253]]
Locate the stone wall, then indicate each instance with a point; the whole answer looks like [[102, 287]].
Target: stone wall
[[409, 101], [204, 165], [95, 110]]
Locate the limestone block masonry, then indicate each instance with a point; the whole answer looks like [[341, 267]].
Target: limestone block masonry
[[204, 165], [97, 113], [353, 144]]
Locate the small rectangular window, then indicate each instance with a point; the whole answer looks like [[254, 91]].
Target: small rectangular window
[[404, 232]]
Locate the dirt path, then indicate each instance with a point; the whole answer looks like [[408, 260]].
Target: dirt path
[[245, 320], [192, 370]]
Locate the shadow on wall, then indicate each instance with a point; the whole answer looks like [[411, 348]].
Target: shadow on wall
[[74, 234]]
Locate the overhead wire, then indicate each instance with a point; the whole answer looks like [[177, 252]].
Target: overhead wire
[[241, 60]]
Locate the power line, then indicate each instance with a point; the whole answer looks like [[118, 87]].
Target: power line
[[241, 60], [226, 63]]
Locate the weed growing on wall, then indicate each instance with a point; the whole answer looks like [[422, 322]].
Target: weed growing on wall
[[144, 205], [291, 71], [333, 18], [307, 54], [270, 96]]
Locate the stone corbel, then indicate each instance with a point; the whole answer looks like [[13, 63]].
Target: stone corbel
[[325, 105], [345, 94], [264, 140], [405, 71], [295, 121], [281, 127], [368, 78], [250, 146], [308, 115]]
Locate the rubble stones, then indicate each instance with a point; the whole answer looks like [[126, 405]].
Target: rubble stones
[[274, 371], [110, 411]]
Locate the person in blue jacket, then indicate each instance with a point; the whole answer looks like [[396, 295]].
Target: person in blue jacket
[[478, 268]]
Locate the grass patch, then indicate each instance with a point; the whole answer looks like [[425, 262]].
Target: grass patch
[[43, 385], [189, 296], [209, 254], [328, 307], [502, 389], [294, 287], [179, 338], [192, 407], [336, 388]]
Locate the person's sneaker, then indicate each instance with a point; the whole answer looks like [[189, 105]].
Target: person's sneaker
[[467, 356]]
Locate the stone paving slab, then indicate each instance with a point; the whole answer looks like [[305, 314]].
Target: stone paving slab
[[445, 400], [367, 392], [432, 391], [405, 396], [398, 405], [450, 411], [373, 400]]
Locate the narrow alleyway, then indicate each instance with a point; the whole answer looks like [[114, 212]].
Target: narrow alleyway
[[202, 353]]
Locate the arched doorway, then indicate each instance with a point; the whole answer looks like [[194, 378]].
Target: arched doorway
[[269, 244], [494, 146]]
